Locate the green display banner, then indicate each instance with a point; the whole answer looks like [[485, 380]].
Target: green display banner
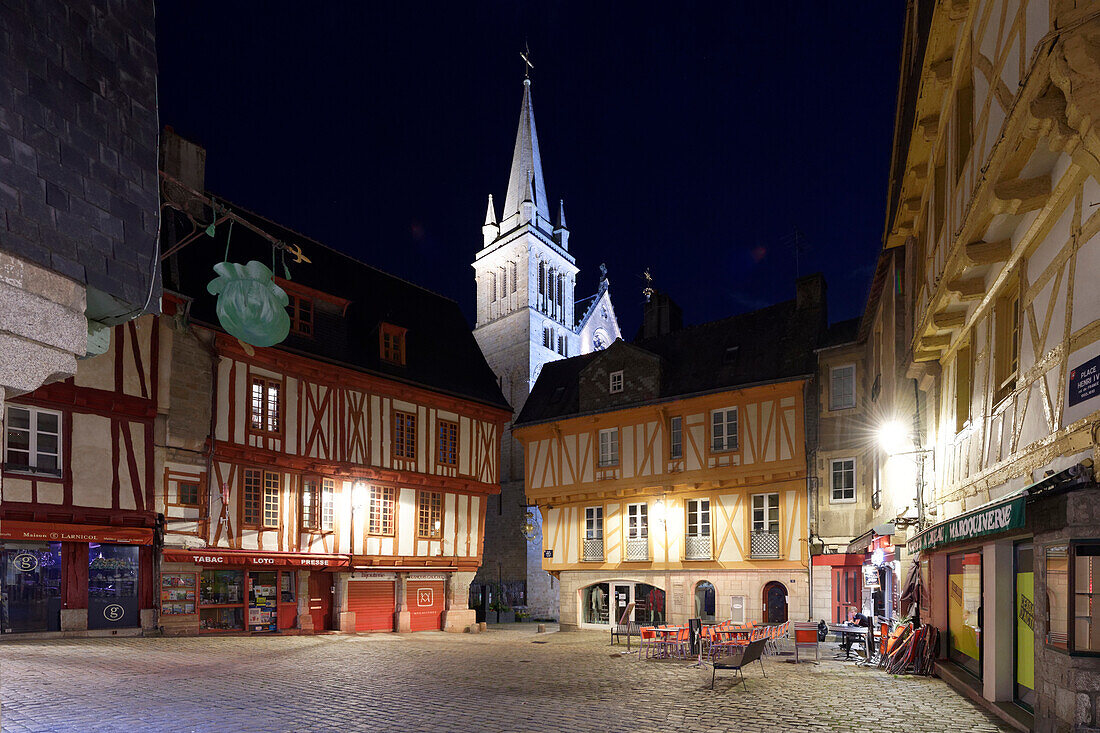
[[997, 518]]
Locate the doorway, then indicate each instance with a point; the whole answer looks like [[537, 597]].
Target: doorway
[[705, 602], [622, 599], [30, 597], [320, 600], [775, 603]]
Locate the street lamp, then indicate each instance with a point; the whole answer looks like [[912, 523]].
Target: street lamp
[[892, 436]]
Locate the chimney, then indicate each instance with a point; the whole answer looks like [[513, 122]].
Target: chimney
[[810, 291], [184, 161], [660, 316]]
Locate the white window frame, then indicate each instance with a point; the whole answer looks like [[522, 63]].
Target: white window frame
[[833, 488], [615, 382], [33, 451], [609, 448], [722, 417], [637, 521], [676, 437], [765, 524], [593, 523], [834, 403], [696, 514]]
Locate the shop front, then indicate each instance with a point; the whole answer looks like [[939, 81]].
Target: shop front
[[75, 578], [236, 591]]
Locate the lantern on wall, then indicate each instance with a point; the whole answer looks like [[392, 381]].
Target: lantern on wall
[[530, 526]]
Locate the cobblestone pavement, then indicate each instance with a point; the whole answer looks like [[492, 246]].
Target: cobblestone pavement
[[502, 680]]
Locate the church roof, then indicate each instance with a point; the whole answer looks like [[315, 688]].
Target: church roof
[[440, 351], [772, 344], [526, 163]]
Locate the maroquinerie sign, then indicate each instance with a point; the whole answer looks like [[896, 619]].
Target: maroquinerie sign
[[997, 518]]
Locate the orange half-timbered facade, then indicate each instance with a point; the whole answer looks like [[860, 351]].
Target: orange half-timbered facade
[[671, 472], [337, 481], [78, 515]]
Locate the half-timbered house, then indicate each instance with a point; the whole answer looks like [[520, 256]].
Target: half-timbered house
[[992, 201], [671, 472], [337, 480]]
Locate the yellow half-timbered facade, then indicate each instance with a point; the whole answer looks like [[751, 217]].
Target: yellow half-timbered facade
[[688, 503]]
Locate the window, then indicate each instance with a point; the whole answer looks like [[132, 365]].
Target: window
[[392, 343], [637, 522], [593, 523], [723, 430], [448, 443], [328, 496], [492, 287], [1073, 591], [698, 511], [609, 447], [844, 480], [675, 437], [381, 511], [1007, 354], [616, 382], [188, 493], [32, 440], [404, 435], [266, 405], [561, 344], [542, 278], [842, 387], [512, 266], [963, 370], [765, 513], [271, 499], [301, 315], [547, 337], [430, 515], [252, 489]]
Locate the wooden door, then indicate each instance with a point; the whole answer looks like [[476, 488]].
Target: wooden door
[[320, 600], [775, 603], [846, 593]]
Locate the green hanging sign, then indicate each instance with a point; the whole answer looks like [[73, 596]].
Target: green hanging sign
[[989, 520], [250, 305]]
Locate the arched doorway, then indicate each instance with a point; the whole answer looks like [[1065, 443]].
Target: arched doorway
[[704, 602], [775, 603]]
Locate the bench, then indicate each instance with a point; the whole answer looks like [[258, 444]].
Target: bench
[[628, 630]]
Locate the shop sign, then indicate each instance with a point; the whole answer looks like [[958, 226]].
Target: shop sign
[[427, 576], [1084, 381], [244, 558], [13, 530], [113, 612], [374, 576], [870, 577], [25, 562], [997, 518]]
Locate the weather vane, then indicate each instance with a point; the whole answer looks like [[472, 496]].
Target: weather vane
[[648, 290], [525, 54]]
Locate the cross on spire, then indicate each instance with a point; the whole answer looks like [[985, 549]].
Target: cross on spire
[[525, 54]]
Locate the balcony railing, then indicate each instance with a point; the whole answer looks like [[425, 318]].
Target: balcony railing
[[593, 549], [764, 544], [698, 547], [637, 548]]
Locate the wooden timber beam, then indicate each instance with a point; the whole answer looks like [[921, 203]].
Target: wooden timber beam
[[987, 253], [941, 70], [1021, 195], [935, 342], [929, 126], [945, 321], [971, 288]]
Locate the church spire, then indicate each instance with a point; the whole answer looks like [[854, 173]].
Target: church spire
[[526, 164], [490, 230], [490, 213]]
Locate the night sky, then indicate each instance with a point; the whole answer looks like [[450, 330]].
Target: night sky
[[693, 139]]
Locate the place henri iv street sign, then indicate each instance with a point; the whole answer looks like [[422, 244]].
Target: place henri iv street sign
[[997, 518], [1084, 381]]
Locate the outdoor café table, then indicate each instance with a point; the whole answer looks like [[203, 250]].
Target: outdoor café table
[[664, 634], [726, 638], [850, 630]]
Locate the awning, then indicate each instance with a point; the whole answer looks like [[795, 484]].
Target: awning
[[861, 543], [992, 517], [220, 558], [51, 532]]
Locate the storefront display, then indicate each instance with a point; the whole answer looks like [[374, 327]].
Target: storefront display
[[964, 610], [113, 586], [221, 600], [263, 610], [178, 594], [30, 597], [1025, 625]]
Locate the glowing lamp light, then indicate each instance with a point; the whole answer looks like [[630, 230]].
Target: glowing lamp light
[[892, 436], [877, 557], [359, 494], [659, 511]]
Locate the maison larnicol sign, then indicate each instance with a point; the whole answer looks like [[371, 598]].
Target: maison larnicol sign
[[999, 518]]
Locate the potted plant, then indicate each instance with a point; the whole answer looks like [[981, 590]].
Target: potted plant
[[504, 612]]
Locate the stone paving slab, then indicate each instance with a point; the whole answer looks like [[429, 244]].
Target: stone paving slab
[[504, 680]]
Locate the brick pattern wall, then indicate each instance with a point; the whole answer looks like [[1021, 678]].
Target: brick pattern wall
[[78, 141]]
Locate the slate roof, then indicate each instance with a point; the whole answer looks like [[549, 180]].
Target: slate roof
[[440, 351], [771, 344], [841, 332]]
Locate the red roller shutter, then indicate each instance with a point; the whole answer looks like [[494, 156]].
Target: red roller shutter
[[372, 601], [425, 602]]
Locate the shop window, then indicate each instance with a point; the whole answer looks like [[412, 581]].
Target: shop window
[[301, 315], [30, 594], [221, 600], [1025, 624], [447, 454], [265, 405], [705, 602], [964, 610], [843, 481], [616, 383], [404, 435], [842, 387], [391, 340], [594, 603], [287, 586], [178, 594], [609, 447], [1073, 577], [188, 493], [649, 605], [723, 431], [32, 440], [381, 511], [113, 586], [675, 438], [429, 515], [263, 613]]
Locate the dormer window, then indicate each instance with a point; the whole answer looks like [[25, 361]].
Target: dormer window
[[301, 315], [615, 384], [392, 343]]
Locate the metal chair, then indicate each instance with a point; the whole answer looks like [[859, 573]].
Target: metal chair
[[750, 653]]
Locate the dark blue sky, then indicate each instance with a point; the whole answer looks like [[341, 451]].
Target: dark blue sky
[[689, 138]]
